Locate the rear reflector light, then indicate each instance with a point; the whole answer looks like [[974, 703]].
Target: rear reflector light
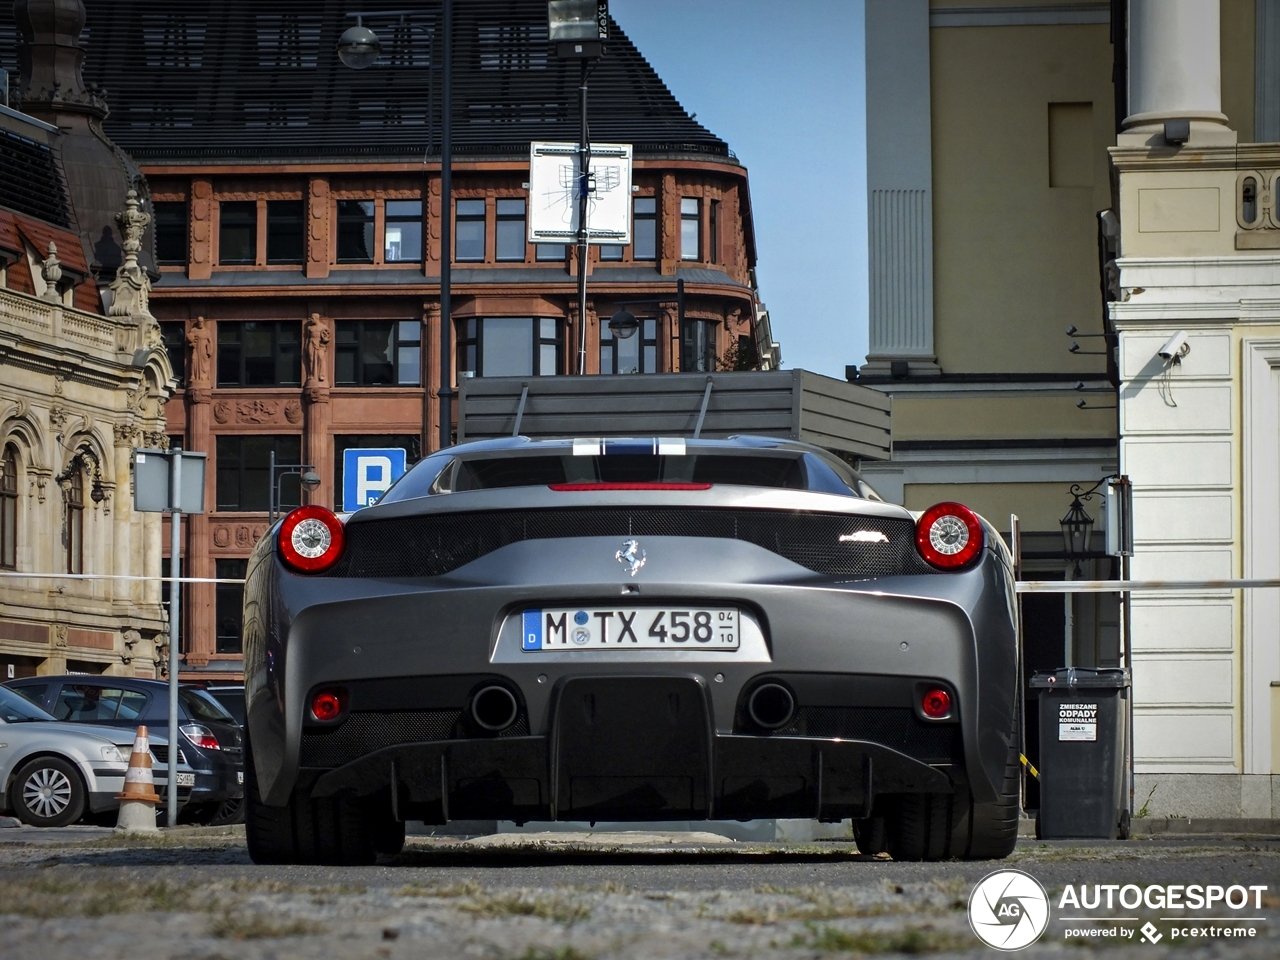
[[936, 704], [949, 536], [311, 539], [328, 704], [584, 487], [200, 735]]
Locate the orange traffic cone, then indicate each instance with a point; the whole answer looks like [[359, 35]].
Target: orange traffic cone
[[137, 803]]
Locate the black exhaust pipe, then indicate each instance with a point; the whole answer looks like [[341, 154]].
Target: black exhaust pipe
[[771, 706], [494, 708]]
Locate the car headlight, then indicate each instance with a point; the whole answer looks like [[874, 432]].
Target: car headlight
[[112, 754]]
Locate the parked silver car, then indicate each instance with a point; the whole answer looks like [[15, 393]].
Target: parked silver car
[[54, 773]]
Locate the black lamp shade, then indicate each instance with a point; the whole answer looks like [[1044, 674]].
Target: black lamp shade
[[624, 324]]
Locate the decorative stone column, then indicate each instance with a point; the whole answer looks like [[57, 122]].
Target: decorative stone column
[[199, 608], [1175, 71], [899, 190], [317, 335], [431, 396]]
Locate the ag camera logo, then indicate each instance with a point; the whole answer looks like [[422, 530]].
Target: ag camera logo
[[1008, 910]]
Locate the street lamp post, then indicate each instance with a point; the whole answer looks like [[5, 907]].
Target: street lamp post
[[358, 48], [309, 479], [579, 28]]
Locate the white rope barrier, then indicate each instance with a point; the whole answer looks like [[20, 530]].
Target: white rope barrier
[[1144, 586], [111, 576]]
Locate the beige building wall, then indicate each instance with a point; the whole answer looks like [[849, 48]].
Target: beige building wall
[[1022, 118]]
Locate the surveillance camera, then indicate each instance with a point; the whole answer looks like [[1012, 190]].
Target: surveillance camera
[[1175, 348]]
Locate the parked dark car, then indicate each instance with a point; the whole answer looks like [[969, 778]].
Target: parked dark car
[[211, 737]]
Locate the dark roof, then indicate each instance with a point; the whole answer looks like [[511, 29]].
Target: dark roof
[[250, 81]]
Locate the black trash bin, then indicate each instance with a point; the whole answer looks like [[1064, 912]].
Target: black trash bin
[[1083, 732]]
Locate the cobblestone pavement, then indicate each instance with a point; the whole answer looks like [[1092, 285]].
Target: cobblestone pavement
[[197, 896]]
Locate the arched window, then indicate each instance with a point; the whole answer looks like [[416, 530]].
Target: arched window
[[75, 522], [9, 508]]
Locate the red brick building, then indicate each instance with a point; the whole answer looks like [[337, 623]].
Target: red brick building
[[297, 236]]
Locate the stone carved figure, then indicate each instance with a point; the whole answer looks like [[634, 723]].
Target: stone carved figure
[[200, 340], [318, 337], [51, 271], [131, 289]]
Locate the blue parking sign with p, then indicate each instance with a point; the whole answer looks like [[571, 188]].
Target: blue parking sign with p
[[368, 474]]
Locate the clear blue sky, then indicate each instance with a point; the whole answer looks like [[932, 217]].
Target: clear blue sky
[[783, 84]]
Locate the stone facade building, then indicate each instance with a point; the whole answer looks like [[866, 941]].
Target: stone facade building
[[80, 388], [297, 238]]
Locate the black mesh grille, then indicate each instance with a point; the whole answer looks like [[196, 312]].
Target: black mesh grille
[[895, 727], [435, 544], [161, 753], [363, 733]]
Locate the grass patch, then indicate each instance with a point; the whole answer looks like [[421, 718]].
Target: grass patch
[[468, 888], [258, 926], [829, 939], [554, 953], [46, 896], [523, 904]]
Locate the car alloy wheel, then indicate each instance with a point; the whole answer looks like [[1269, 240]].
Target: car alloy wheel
[[47, 792]]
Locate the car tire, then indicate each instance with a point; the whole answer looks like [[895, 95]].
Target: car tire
[[333, 831], [922, 826], [869, 834], [48, 792]]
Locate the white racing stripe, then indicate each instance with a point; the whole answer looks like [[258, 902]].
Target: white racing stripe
[[587, 447]]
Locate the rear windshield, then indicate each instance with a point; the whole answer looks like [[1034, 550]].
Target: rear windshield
[[488, 473], [200, 706]]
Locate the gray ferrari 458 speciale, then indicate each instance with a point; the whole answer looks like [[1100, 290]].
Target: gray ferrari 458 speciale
[[635, 630]]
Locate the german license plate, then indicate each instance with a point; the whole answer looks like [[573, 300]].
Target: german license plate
[[634, 628], [186, 779]]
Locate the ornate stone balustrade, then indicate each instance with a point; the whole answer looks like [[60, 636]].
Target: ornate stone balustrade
[[28, 316]]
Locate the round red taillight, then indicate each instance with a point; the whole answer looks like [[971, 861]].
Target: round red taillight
[[936, 704], [328, 704], [311, 539], [949, 536]]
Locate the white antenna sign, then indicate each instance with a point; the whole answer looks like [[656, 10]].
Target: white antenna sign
[[553, 195]]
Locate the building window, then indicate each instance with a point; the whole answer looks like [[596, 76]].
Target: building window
[[171, 232], [698, 345], [378, 352], [229, 605], [285, 231], [713, 229], [509, 347], [469, 231], [173, 333], [238, 232], [547, 252], [9, 508], [635, 354], [410, 443], [610, 251], [402, 241], [644, 227], [257, 354], [244, 471], [355, 231], [75, 522], [690, 233], [510, 229]]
